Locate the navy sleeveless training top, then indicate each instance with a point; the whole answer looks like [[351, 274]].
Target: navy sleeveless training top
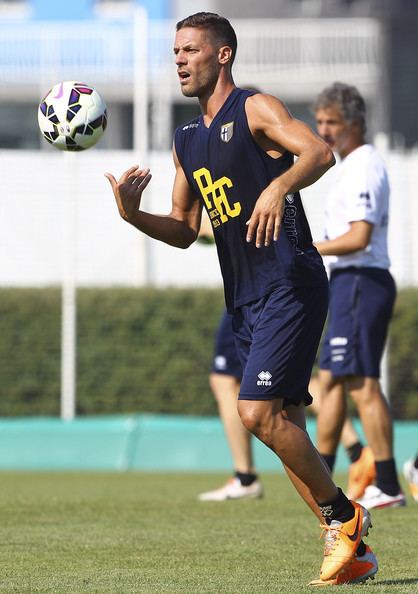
[[228, 170]]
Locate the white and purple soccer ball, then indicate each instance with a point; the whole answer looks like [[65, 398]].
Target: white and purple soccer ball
[[72, 116]]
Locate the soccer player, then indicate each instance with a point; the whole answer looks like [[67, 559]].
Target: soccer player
[[225, 379], [362, 290], [237, 159]]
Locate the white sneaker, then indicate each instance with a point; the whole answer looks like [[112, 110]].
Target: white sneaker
[[411, 475], [375, 498], [233, 490]]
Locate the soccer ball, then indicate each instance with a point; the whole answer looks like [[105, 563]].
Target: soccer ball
[[72, 116]]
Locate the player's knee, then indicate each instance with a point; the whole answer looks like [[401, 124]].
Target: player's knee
[[259, 422], [367, 393], [251, 417], [248, 418]]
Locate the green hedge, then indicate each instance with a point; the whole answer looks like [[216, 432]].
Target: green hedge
[[403, 356], [144, 350], [29, 351]]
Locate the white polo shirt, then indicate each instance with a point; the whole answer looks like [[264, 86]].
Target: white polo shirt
[[360, 192]]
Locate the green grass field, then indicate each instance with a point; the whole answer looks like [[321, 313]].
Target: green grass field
[[134, 532]]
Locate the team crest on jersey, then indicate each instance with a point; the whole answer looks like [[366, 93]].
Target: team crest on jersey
[[227, 130]]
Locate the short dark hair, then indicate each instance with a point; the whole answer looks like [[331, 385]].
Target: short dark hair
[[219, 26], [347, 99]]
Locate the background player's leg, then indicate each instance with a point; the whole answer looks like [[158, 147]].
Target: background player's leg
[[225, 389], [374, 414], [245, 483], [362, 472], [377, 424], [331, 416], [349, 436]]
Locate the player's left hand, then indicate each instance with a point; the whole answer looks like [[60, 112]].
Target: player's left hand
[[266, 218]]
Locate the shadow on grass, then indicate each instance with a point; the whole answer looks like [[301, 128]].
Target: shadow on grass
[[393, 582]]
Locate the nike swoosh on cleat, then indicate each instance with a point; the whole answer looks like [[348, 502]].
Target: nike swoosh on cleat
[[354, 536]]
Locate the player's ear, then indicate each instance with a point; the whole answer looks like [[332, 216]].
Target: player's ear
[[225, 54], [357, 126]]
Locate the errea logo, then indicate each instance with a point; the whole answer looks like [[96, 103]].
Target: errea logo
[[326, 510], [192, 125], [338, 341], [264, 378]]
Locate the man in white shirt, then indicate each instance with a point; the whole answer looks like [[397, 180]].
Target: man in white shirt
[[362, 290]]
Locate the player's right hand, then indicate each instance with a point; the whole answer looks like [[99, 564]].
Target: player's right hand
[[266, 218], [128, 190]]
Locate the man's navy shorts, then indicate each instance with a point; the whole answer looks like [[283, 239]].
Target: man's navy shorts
[[277, 339], [225, 359], [361, 305]]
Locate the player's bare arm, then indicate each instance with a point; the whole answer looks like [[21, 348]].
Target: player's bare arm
[[276, 132], [179, 228], [355, 239]]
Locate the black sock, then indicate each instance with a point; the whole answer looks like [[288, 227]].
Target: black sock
[[340, 509], [329, 461], [361, 549], [386, 477], [354, 451], [246, 478]]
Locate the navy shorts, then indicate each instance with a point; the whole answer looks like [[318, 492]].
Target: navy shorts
[[361, 305], [225, 359], [277, 339]]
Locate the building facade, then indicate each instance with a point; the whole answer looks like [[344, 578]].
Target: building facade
[[291, 48]]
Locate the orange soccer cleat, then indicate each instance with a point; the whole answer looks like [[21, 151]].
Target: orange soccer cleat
[[411, 475], [361, 474], [342, 540], [359, 570]]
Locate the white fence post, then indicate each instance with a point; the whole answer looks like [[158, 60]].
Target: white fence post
[[68, 290], [140, 119]]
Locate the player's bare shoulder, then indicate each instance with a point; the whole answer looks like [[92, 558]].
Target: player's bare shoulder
[[267, 116], [264, 110]]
